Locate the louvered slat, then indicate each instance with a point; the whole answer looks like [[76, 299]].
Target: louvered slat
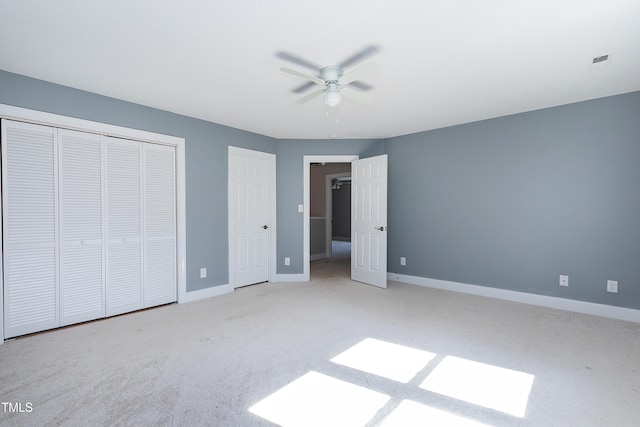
[[29, 222]]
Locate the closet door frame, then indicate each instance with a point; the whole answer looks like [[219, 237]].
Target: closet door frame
[[55, 120]]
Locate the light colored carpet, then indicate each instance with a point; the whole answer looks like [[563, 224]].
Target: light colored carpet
[[262, 356]]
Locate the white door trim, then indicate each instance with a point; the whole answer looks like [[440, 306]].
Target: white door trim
[[306, 181], [271, 158], [56, 120], [329, 210]]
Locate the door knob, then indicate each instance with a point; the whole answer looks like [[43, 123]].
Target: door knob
[[381, 228], [265, 226]]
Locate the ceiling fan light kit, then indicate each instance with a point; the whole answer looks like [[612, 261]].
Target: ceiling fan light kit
[[331, 77], [332, 96]]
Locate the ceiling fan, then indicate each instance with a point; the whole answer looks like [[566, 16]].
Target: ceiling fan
[[333, 80]]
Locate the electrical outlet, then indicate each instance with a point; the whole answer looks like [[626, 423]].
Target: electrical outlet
[[203, 273], [287, 261], [564, 280], [403, 261], [612, 286]]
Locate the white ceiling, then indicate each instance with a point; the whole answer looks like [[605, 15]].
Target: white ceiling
[[443, 62]]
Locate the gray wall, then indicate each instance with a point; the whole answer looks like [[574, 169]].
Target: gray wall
[[289, 165], [516, 201], [317, 236], [206, 160], [510, 203]]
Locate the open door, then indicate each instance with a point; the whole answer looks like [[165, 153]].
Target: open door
[[369, 220]]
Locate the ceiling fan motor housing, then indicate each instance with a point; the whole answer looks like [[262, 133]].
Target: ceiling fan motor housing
[[331, 74]]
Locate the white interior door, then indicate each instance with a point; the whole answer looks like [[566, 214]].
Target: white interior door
[[369, 220], [250, 221]]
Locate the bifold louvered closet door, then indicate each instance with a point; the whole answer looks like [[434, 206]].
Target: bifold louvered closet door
[[124, 225], [88, 226], [159, 224], [30, 228], [81, 231]]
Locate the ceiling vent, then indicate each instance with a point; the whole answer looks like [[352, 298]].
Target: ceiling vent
[[599, 59]]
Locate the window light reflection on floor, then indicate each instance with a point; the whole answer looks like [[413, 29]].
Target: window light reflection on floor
[[492, 387], [410, 414], [393, 361], [316, 399]]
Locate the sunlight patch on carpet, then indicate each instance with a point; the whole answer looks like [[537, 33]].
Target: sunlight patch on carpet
[[410, 414], [316, 399], [392, 361], [489, 386]]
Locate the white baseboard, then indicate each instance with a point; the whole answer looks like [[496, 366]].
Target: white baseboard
[[318, 256], [603, 310], [290, 278], [213, 291]]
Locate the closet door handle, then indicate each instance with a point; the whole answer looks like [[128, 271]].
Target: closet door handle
[[381, 228], [265, 226]]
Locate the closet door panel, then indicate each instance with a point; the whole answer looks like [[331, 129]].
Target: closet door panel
[[29, 186], [124, 286], [159, 225], [81, 255], [124, 226]]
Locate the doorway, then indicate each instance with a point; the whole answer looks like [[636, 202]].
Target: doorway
[[368, 216], [318, 225], [338, 211], [330, 218]]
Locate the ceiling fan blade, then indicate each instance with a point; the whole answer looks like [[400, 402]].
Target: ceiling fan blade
[[360, 85], [302, 75], [310, 96], [297, 60], [362, 71], [360, 98], [360, 56], [304, 87]]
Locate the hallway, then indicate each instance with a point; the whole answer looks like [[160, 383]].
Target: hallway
[[339, 265]]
